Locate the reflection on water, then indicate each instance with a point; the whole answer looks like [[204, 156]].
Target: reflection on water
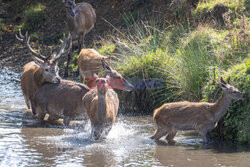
[[27, 142]]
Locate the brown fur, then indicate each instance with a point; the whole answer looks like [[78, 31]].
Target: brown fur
[[34, 76], [102, 102], [41, 70], [89, 63], [104, 117], [61, 100], [199, 116], [80, 20]]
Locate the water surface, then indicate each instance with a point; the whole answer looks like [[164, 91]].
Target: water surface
[[28, 142]]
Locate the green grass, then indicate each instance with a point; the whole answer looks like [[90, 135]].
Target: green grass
[[34, 17], [234, 126], [204, 6], [183, 57], [199, 51], [107, 48]]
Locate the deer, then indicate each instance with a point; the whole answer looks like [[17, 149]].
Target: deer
[[80, 20], [102, 102], [41, 70], [89, 63], [199, 116], [62, 100]]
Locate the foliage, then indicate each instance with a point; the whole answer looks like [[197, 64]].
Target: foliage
[[151, 80], [204, 6], [34, 17], [107, 48], [199, 51], [235, 125]]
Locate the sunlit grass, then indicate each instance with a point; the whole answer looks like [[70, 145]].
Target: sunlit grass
[[208, 5]]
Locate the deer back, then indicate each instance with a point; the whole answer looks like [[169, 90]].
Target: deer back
[[90, 60], [64, 98], [184, 114]]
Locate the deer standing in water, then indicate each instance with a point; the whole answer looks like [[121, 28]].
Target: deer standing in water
[[80, 19], [41, 70], [89, 63], [101, 103], [60, 100], [199, 116]]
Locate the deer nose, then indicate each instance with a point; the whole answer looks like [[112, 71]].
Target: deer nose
[[58, 79], [97, 135]]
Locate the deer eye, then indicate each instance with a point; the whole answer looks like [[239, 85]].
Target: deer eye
[[46, 70]]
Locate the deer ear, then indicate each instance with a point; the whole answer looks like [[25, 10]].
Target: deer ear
[[95, 76], [222, 81], [105, 65], [223, 86], [107, 76], [38, 62]]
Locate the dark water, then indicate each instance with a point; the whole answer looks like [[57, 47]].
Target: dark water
[[26, 142]]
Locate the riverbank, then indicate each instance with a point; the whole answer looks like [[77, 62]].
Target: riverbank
[[186, 46]]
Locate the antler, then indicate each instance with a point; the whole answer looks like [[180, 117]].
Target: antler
[[105, 64], [63, 51], [37, 55]]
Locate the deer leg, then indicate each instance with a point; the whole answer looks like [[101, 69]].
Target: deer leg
[[40, 114], [27, 101], [204, 134], [170, 136], [158, 134], [80, 43], [66, 120]]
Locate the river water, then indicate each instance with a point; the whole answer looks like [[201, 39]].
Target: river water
[[27, 142]]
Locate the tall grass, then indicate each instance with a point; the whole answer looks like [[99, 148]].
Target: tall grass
[[181, 56], [238, 6]]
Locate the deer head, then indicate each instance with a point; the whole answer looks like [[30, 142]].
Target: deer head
[[48, 67], [69, 5], [101, 84], [232, 92], [116, 81]]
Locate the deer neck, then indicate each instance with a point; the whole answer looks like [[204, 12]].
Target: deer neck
[[102, 115], [221, 106], [70, 20], [70, 11], [38, 78]]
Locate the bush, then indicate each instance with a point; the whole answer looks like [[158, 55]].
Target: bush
[[34, 17], [237, 6], [235, 125], [151, 78], [182, 60], [199, 51]]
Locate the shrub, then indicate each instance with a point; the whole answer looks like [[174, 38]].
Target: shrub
[[205, 6], [198, 52], [235, 125], [34, 17], [151, 77]]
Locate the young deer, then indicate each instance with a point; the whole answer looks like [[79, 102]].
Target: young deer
[[89, 63], [101, 103], [41, 70], [199, 116], [80, 19]]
